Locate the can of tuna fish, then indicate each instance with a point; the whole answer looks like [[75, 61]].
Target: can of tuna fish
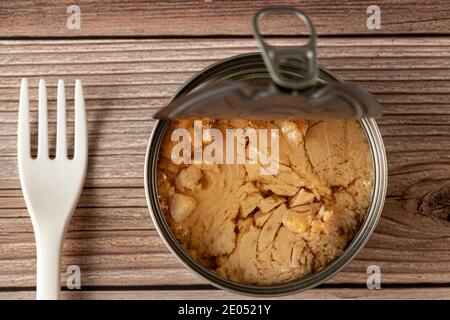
[[249, 67]]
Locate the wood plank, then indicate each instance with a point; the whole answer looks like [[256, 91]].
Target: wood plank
[[408, 247], [198, 18], [128, 257], [211, 294], [117, 138], [111, 236], [116, 171]]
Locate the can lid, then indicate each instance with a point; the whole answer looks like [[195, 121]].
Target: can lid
[[285, 95]]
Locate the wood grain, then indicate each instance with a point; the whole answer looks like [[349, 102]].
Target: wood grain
[[111, 236], [211, 294], [208, 18]]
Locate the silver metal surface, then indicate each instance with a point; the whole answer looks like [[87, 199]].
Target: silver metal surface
[[275, 56], [245, 67], [283, 95]]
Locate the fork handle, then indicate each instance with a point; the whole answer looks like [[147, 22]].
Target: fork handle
[[48, 254]]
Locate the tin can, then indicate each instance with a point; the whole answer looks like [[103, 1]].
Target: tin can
[[251, 66]]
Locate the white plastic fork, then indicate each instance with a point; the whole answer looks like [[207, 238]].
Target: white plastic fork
[[51, 187]]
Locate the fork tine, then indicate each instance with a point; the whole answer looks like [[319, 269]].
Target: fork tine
[[81, 145], [23, 131], [43, 123], [61, 131]]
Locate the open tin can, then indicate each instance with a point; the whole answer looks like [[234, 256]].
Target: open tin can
[[285, 77]]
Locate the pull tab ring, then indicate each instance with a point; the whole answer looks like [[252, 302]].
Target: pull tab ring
[[274, 56]]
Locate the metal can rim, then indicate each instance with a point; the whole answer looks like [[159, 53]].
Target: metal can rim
[[366, 229]]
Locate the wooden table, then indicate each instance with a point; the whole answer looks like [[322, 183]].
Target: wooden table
[[132, 56]]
